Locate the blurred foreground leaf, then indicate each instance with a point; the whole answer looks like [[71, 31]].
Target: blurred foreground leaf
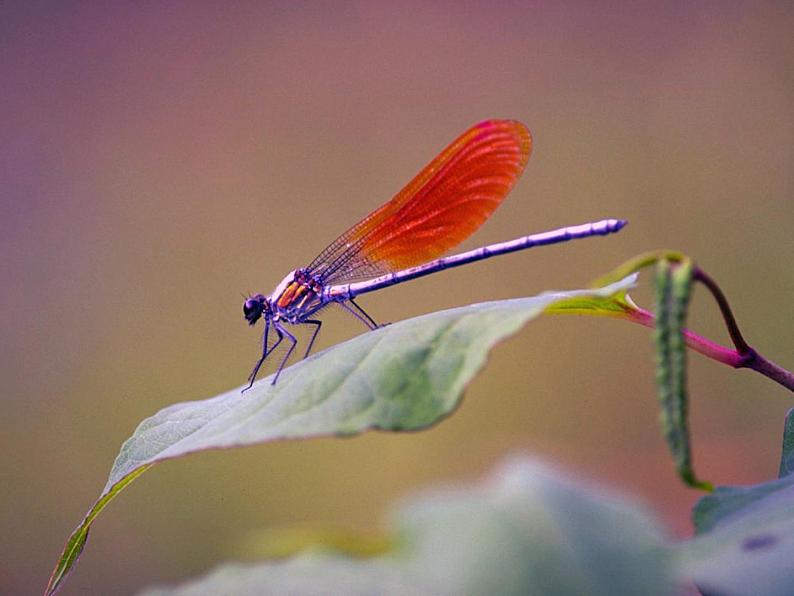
[[406, 376], [528, 530], [286, 541], [745, 544], [531, 531]]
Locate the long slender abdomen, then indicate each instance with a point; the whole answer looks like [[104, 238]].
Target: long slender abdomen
[[599, 228]]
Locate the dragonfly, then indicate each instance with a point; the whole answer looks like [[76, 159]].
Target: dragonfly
[[404, 238]]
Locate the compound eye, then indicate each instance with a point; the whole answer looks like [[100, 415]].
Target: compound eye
[[250, 306]]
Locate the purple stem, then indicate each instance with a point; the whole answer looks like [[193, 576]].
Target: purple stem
[[727, 314]]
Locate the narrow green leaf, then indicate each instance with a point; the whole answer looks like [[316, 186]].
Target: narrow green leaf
[[527, 530], [664, 370], [673, 289], [636, 264], [76, 543], [787, 453], [682, 276], [406, 376]]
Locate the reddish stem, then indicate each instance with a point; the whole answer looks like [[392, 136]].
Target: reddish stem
[[749, 359], [705, 346]]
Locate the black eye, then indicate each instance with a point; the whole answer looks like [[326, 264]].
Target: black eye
[[250, 306]]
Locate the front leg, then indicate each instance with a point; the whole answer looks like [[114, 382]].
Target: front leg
[[281, 333], [265, 353]]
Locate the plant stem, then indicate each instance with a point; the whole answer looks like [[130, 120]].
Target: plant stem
[[727, 314], [750, 359], [758, 363]]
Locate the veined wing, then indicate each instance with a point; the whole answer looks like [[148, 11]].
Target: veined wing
[[442, 206]]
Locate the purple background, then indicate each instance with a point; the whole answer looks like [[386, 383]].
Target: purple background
[[158, 159]]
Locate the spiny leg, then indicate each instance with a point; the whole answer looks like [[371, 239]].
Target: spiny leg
[[294, 341], [360, 314], [314, 335], [265, 353], [366, 315]]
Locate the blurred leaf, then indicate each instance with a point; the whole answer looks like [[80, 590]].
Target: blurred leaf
[[406, 376], [745, 541], [750, 554], [277, 543], [725, 501], [673, 289], [528, 530], [312, 573]]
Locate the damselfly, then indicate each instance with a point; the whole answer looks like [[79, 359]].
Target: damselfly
[[447, 201]]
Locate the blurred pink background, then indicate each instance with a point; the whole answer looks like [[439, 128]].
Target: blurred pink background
[[157, 160]]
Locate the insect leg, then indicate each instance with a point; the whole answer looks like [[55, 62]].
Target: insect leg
[[281, 332], [265, 353], [360, 314], [314, 335]]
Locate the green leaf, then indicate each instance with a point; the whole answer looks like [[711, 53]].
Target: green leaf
[[636, 264], [618, 304], [406, 376], [787, 453], [527, 530], [745, 541], [749, 545], [673, 289], [728, 500]]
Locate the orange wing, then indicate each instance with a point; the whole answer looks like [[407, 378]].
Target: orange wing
[[442, 206]]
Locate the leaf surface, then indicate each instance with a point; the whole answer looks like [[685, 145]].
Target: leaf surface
[[405, 376]]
